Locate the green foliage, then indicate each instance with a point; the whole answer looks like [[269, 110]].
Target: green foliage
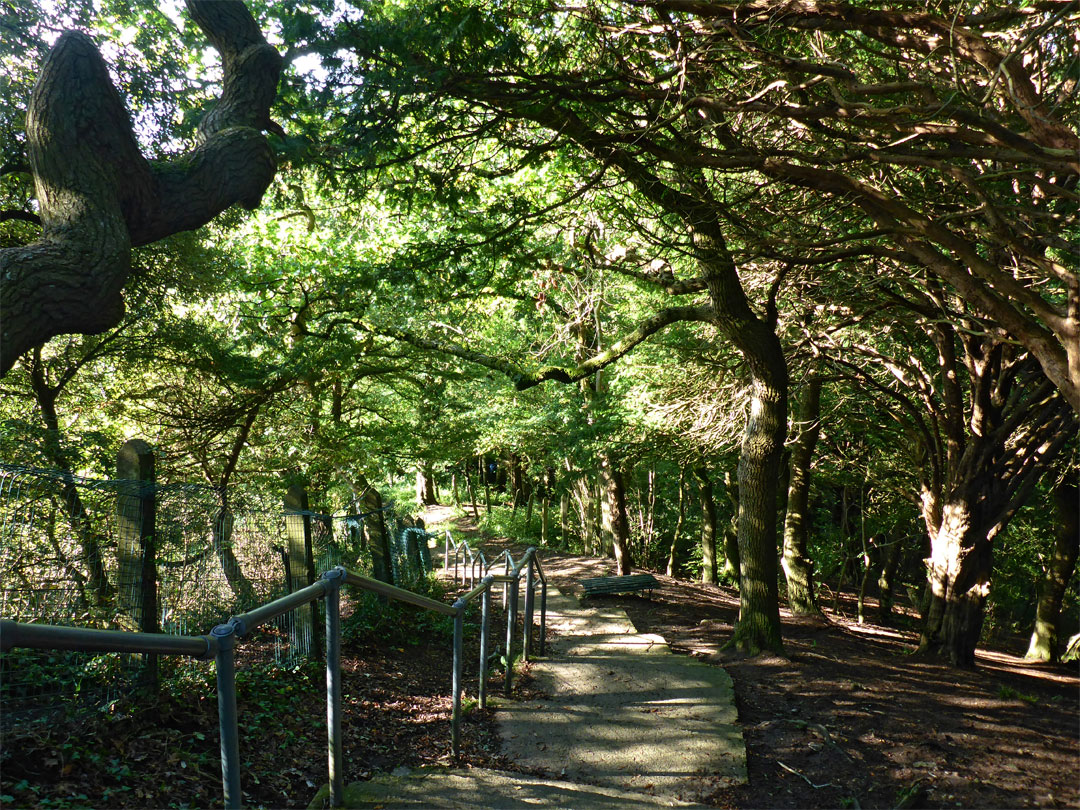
[[510, 523], [1008, 693], [374, 620]]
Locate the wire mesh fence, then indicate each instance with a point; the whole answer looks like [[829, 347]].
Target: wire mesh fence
[[173, 558]]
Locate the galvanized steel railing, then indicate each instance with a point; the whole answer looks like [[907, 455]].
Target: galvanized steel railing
[[511, 582], [220, 645], [469, 564]]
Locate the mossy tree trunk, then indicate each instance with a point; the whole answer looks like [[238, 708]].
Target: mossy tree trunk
[[99, 197], [708, 524], [1059, 568], [797, 565], [676, 551], [616, 526]]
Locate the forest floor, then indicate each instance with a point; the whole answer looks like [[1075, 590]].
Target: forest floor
[[851, 719], [848, 719]]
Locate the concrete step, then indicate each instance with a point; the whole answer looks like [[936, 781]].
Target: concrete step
[[623, 711], [453, 789]]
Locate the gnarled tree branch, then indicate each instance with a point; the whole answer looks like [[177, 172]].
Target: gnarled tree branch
[[99, 196]]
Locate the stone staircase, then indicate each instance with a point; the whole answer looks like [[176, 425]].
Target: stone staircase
[[624, 723]]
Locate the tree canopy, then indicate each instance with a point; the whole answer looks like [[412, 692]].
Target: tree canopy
[[710, 279]]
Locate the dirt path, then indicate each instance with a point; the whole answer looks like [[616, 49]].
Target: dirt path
[[850, 719]]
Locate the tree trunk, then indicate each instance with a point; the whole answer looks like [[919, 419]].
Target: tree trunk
[[472, 494], [222, 529], [616, 527], [708, 525], [564, 519], [588, 514], [487, 486], [90, 541], [758, 627], [868, 569], [959, 571], [887, 580], [729, 574], [520, 490], [221, 538], [425, 485], [99, 196], [798, 567], [1044, 639], [675, 553]]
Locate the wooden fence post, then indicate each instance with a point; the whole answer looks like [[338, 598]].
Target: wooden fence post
[[376, 534], [136, 513], [302, 566]]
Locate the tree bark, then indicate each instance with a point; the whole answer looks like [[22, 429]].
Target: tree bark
[[99, 196], [90, 541], [616, 527], [471, 493], [758, 626], [708, 525], [995, 450], [887, 580], [1044, 639], [425, 485], [675, 553], [564, 519], [797, 565], [729, 574]]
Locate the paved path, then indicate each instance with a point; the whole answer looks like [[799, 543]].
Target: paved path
[[624, 711], [624, 722], [481, 789]]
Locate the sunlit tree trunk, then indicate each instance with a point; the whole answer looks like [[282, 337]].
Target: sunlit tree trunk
[[758, 626], [616, 527], [995, 450], [1044, 639], [798, 567], [425, 485], [708, 525], [729, 574], [675, 553], [564, 517]]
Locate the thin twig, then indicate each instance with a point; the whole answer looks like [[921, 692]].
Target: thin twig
[[805, 778]]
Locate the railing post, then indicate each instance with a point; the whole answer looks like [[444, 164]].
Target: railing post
[[526, 641], [225, 663], [506, 585], [459, 636], [511, 620], [333, 580], [446, 552], [543, 617], [485, 610]]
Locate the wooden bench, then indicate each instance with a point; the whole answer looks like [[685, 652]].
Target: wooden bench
[[599, 586]]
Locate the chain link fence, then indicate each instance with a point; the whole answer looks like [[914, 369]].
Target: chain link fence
[[173, 558]]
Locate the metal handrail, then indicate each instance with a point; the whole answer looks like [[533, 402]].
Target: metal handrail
[[511, 582], [55, 637], [402, 595], [220, 645], [462, 552]]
